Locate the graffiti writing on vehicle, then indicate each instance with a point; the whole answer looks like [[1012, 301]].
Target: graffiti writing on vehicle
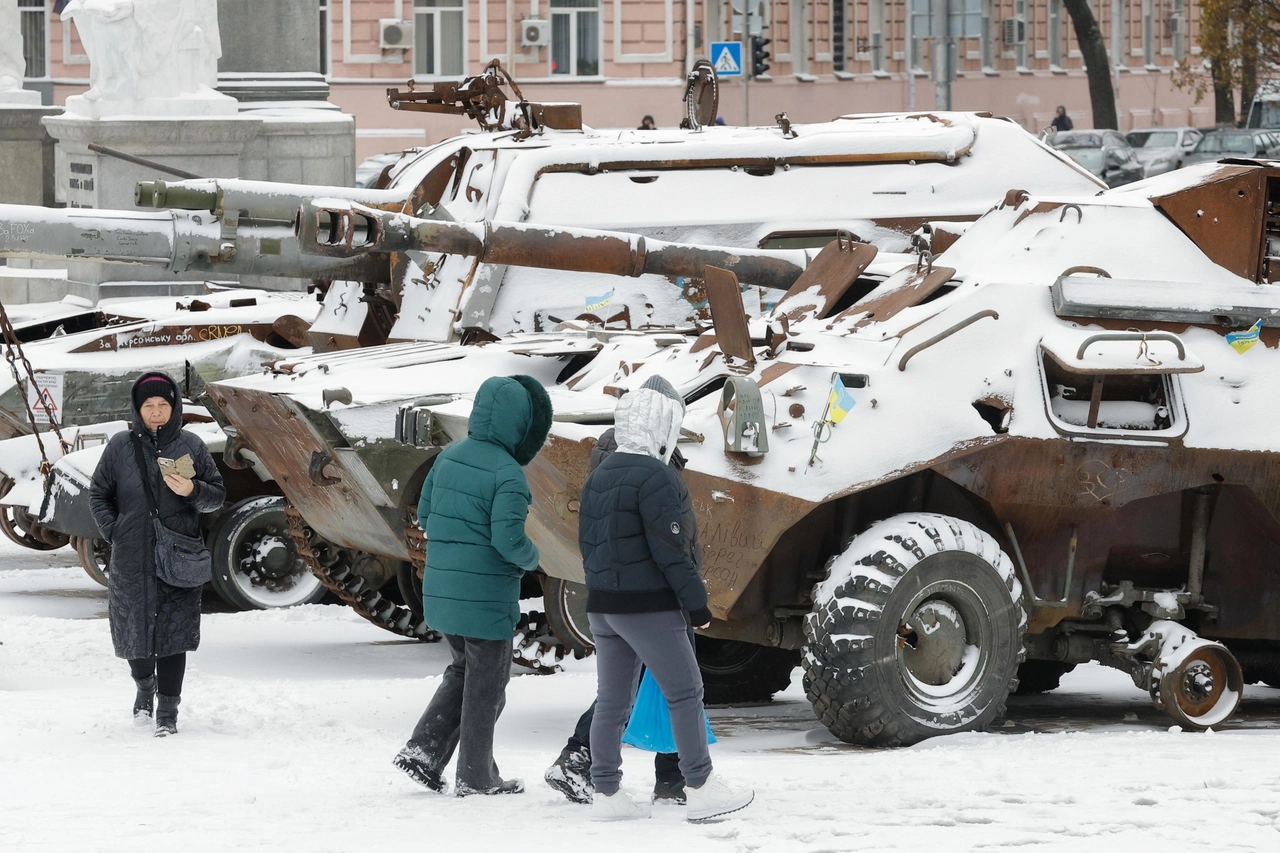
[[215, 333], [1100, 480], [16, 230]]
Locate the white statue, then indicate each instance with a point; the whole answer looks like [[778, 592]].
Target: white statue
[[144, 52], [13, 66]]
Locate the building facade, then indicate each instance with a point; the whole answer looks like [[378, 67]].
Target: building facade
[[623, 59]]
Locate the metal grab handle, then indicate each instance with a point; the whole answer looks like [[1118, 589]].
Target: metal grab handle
[[1134, 336], [1095, 270], [902, 365]]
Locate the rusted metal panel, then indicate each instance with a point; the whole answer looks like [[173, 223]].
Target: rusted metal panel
[[826, 279], [739, 525], [314, 482], [726, 313], [1223, 216], [922, 284], [154, 335]]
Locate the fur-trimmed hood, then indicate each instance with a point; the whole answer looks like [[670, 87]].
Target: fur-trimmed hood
[[513, 412]]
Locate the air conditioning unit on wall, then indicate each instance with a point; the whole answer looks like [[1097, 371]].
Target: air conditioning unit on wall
[[1014, 31], [394, 34], [535, 33]]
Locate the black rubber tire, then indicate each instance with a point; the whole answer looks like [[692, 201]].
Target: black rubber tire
[[1041, 676], [860, 673], [735, 672], [230, 544], [565, 604], [95, 557], [410, 586]]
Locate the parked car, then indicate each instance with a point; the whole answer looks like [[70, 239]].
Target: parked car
[[1163, 149], [1105, 153], [371, 168], [1230, 142]]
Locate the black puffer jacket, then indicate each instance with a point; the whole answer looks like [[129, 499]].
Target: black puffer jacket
[[636, 527], [149, 618]]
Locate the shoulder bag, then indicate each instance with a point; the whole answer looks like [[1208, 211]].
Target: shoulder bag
[[181, 561]]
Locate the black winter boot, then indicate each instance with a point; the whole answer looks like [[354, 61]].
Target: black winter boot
[[571, 774], [144, 702], [417, 763], [167, 715]]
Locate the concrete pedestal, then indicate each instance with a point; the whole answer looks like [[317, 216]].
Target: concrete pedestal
[[26, 154], [283, 145]]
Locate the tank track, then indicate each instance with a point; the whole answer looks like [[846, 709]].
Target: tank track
[[536, 646], [332, 566]]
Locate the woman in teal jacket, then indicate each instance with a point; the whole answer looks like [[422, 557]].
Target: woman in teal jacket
[[473, 509]]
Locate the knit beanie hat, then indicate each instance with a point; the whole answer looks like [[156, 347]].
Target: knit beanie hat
[[663, 387], [154, 385]]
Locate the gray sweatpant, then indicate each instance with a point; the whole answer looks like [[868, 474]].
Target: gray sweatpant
[[660, 641]]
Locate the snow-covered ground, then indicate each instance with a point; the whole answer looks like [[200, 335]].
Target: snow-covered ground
[[290, 719]]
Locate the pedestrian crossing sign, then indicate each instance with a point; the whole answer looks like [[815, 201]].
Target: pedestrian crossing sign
[[726, 56]]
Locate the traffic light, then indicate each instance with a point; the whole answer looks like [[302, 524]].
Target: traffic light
[[758, 56]]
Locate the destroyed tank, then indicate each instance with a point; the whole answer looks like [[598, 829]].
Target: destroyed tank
[[1043, 444]]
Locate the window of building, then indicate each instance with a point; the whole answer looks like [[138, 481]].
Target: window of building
[[575, 37], [1020, 49], [1055, 33], [1148, 33], [839, 8], [1178, 29], [439, 43], [878, 41], [34, 20], [918, 28], [988, 36]]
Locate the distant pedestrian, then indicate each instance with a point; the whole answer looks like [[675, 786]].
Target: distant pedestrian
[[153, 624], [647, 123], [571, 772], [1061, 121], [643, 591], [473, 509]]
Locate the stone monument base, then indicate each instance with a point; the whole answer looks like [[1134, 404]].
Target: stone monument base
[[300, 146], [26, 154], [208, 103], [20, 98]]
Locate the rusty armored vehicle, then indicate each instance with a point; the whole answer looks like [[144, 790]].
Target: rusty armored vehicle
[[774, 194], [932, 479]]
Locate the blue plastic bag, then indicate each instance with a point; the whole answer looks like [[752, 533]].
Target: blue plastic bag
[[650, 725]]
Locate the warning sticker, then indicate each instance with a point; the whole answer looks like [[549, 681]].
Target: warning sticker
[[45, 397]]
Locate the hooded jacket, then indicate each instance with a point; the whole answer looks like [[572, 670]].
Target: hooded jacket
[[638, 538], [473, 508], [150, 618]]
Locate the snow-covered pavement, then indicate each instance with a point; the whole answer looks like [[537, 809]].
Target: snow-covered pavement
[[289, 721]]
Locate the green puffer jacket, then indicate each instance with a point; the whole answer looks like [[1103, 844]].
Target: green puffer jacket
[[473, 508]]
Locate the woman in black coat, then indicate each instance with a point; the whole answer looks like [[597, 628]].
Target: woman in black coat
[[153, 624]]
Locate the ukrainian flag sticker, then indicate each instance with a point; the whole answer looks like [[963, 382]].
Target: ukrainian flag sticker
[[841, 401], [1243, 341]]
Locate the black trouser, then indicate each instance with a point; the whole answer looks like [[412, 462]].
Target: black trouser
[[168, 672], [465, 709]]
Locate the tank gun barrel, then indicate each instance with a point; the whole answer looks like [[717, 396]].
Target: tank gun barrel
[[179, 241], [254, 201], [343, 229]]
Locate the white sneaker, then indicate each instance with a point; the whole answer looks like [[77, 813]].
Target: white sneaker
[[715, 799], [619, 806]]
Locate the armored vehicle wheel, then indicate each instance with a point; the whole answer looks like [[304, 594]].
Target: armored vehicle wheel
[[734, 672], [916, 631], [95, 557], [566, 607], [1041, 676], [22, 528], [410, 586], [256, 565]]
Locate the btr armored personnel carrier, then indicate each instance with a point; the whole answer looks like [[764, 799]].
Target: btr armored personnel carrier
[[1043, 444]]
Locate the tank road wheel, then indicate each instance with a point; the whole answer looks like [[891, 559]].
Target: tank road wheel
[[1199, 688], [737, 673], [95, 556], [1041, 676], [566, 606], [410, 586], [256, 565], [917, 631]]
